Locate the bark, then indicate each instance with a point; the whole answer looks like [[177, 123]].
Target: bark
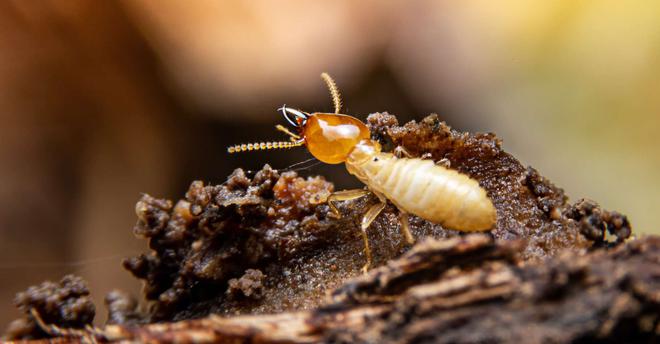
[[460, 290]]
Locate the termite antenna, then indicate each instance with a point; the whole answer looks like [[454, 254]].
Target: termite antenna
[[334, 91], [246, 147]]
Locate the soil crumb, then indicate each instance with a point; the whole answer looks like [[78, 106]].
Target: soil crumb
[[65, 304], [595, 223], [250, 285], [123, 308]]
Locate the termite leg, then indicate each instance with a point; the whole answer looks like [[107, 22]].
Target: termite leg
[[345, 195], [401, 152], [281, 128], [405, 227], [444, 162], [367, 219]]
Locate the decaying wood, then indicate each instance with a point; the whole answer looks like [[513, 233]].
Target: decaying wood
[[460, 290]]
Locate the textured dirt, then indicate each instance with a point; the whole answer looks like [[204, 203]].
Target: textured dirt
[[123, 309], [596, 223], [469, 289], [267, 244], [65, 304], [274, 223], [474, 291], [249, 285]]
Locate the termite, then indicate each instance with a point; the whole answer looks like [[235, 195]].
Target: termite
[[415, 186]]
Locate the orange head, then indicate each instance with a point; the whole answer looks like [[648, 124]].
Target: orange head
[[330, 137]]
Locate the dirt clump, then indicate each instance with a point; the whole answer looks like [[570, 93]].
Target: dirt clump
[[250, 285], [595, 223], [123, 308], [203, 244], [65, 304]]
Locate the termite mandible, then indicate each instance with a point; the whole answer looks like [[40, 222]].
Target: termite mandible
[[415, 186]]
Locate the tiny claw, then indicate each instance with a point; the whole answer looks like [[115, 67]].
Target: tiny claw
[[401, 152], [335, 213], [320, 198], [444, 162], [365, 268]]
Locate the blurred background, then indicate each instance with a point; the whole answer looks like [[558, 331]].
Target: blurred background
[[103, 100]]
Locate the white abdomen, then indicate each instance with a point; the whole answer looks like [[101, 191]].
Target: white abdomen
[[432, 192]]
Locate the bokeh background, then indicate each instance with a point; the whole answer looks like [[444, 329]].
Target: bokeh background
[[103, 100]]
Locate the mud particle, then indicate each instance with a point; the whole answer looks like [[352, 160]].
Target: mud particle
[[65, 304], [250, 285], [122, 308], [595, 222]]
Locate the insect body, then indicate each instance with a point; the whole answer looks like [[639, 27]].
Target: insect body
[[413, 185], [422, 188]]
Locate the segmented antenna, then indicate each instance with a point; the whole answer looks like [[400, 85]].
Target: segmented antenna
[[246, 147], [334, 91]]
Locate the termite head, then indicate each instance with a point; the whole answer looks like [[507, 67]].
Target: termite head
[[329, 137]]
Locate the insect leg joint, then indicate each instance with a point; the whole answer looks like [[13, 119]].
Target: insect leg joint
[[405, 227], [444, 162], [401, 152], [367, 219], [344, 195]]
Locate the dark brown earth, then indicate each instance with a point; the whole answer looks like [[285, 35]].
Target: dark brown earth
[[65, 304], [475, 291], [470, 289], [123, 309], [266, 244]]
